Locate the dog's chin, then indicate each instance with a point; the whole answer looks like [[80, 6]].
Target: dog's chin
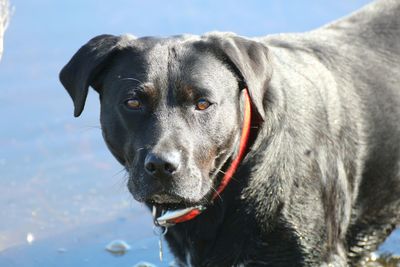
[[174, 197], [173, 202]]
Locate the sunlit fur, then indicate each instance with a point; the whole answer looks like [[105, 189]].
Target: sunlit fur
[[320, 184]]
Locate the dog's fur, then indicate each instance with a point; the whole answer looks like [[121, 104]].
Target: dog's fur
[[320, 183]]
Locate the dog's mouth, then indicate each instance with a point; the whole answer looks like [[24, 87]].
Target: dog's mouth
[[170, 207], [168, 214], [168, 202]]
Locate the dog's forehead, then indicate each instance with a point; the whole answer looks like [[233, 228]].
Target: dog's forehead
[[179, 60], [166, 61]]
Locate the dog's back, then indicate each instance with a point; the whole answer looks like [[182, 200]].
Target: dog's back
[[372, 36], [369, 41], [357, 59]]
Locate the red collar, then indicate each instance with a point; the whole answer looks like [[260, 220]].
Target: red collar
[[170, 218]]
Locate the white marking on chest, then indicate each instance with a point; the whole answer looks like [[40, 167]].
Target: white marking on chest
[[188, 259]]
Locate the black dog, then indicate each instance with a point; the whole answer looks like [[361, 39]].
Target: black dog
[[318, 180]]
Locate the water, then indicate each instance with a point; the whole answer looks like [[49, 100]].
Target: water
[[62, 196]]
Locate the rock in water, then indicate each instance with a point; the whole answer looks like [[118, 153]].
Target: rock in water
[[144, 264], [118, 247]]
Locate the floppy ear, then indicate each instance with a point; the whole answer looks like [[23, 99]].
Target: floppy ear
[[249, 60], [83, 67]]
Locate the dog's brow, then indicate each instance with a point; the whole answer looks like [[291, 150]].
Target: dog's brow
[[186, 91], [132, 82], [191, 92], [147, 88]]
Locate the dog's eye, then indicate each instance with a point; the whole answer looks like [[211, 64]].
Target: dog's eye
[[133, 103], [202, 104]]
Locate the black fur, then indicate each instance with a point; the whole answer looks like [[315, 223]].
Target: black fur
[[320, 183]]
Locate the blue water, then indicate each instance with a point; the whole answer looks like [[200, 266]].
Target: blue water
[[58, 182]]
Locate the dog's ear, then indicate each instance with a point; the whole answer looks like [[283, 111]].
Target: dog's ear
[[83, 67], [249, 60]]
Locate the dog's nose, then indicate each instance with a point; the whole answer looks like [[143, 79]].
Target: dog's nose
[[162, 165]]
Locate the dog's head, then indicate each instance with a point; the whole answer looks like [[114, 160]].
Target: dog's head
[[171, 108]]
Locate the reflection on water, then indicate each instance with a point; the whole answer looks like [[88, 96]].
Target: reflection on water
[[385, 260], [63, 197], [85, 246], [65, 200]]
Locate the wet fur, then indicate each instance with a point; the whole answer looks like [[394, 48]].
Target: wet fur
[[321, 182]]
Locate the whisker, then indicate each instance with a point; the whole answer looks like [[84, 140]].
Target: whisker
[[119, 172], [233, 177], [132, 79], [120, 184], [128, 159], [217, 194]]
